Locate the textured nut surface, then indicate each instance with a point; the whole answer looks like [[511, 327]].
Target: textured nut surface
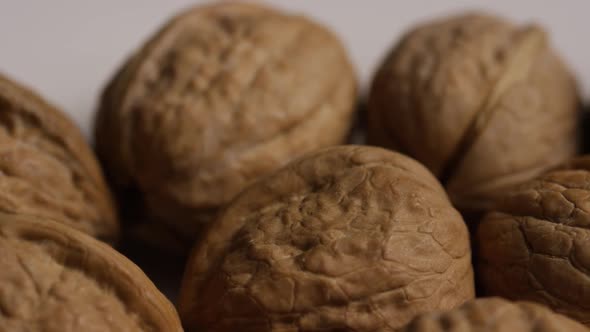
[[482, 103], [56, 279], [222, 94], [46, 167], [348, 238], [494, 315], [536, 245]]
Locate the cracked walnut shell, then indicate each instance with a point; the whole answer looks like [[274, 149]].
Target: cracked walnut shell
[[535, 245], [56, 279], [221, 95], [484, 104], [347, 238], [494, 315], [46, 167]]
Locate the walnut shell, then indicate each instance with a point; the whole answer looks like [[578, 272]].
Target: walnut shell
[[56, 279], [482, 103], [46, 167], [221, 95], [347, 238], [535, 245], [494, 315]]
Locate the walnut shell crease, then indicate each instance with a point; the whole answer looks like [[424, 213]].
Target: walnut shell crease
[[219, 96], [483, 103]]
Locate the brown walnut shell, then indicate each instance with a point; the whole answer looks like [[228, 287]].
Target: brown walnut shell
[[482, 103], [347, 238], [46, 167], [221, 95], [494, 315], [536, 247], [56, 279]]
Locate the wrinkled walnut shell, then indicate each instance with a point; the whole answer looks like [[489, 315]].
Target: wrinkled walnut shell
[[56, 279], [535, 245], [46, 167], [482, 103], [347, 238], [495, 315], [221, 95]]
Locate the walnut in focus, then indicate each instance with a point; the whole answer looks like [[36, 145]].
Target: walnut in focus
[[347, 238], [535, 245], [56, 279], [46, 167], [494, 315], [484, 104], [221, 95]]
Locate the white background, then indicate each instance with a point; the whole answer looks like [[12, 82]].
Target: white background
[[67, 49]]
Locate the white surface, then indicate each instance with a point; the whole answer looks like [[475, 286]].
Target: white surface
[[67, 49]]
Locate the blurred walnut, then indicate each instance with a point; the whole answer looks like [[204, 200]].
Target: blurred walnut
[[56, 279], [348, 238], [482, 103], [494, 315], [46, 167], [535, 246], [221, 95]]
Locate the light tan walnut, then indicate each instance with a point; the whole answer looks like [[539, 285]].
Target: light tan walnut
[[218, 97], [484, 104], [495, 315], [46, 167], [56, 279], [536, 247], [347, 238]]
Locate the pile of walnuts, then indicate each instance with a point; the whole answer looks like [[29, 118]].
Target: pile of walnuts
[[222, 140]]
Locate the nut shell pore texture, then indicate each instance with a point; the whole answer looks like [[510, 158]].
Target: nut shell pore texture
[[482, 103], [56, 279], [348, 238], [494, 315], [46, 167], [535, 245], [221, 95]]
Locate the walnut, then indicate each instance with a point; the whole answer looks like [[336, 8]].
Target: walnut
[[535, 245], [221, 95], [54, 278], [484, 104], [494, 315], [347, 238], [46, 167]]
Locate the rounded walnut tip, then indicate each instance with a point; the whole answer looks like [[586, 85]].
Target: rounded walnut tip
[[220, 96], [485, 104], [348, 238]]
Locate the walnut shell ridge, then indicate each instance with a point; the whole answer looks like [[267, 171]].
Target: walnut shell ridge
[[219, 96], [54, 278], [348, 238], [46, 167], [535, 246], [484, 104], [494, 315]]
